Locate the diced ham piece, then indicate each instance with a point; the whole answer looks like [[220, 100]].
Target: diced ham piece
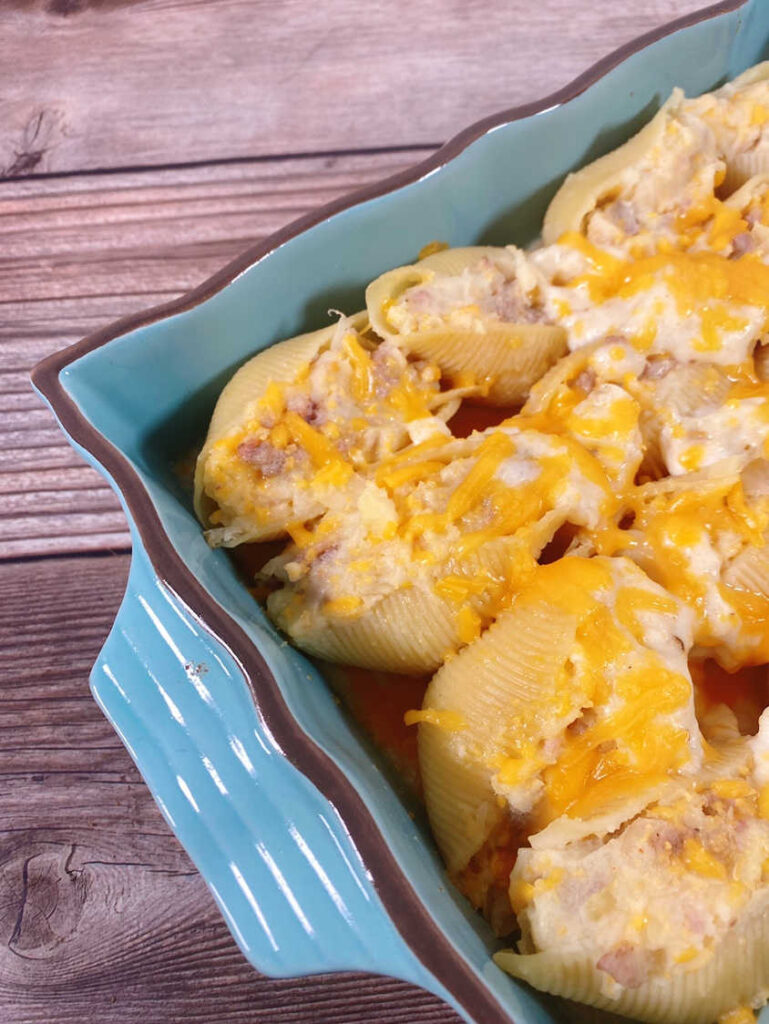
[[307, 408], [742, 243], [754, 216], [657, 367], [627, 964], [575, 891], [419, 300], [585, 381], [388, 369], [667, 840], [511, 306]]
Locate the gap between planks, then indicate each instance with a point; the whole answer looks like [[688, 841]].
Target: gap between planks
[[83, 249]]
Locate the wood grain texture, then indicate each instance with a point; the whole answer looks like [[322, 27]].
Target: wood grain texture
[[102, 916], [126, 84], [75, 254]]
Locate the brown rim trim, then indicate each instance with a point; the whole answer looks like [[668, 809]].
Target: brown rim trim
[[409, 916]]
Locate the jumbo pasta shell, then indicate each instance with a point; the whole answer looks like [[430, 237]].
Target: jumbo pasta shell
[[687, 389], [564, 830], [750, 191], [510, 356], [737, 973], [280, 363], [716, 477], [413, 629], [731, 760], [729, 757], [692, 388], [387, 288], [584, 190], [409, 631], [749, 571], [509, 671], [742, 167], [453, 261], [653, 463], [562, 374], [761, 361], [755, 480], [461, 803]]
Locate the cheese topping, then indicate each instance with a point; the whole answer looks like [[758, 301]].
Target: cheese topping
[[629, 494], [621, 714], [301, 447], [704, 856]]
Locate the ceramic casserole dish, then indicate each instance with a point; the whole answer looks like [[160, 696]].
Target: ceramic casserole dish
[[317, 861]]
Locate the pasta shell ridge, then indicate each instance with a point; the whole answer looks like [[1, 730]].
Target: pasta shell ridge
[[412, 629], [509, 356], [507, 671]]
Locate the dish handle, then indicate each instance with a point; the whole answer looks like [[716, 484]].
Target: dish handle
[[274, 852]]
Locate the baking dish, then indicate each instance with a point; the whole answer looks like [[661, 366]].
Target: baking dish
[[315, 857]]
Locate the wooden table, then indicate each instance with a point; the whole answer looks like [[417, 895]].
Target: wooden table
[[142, 145]]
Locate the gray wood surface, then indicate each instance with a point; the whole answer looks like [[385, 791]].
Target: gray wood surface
[[131, 84], [143, 144]]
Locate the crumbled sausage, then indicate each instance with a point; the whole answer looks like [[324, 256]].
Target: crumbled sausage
[[622, 213], [270, 461], [306, 407]]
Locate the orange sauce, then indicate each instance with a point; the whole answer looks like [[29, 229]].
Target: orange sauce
[[477, 417], [378, 702], [746, 691]]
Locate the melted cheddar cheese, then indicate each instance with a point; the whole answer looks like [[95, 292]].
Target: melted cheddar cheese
[[620, 716], [628, 494], [300, 447]]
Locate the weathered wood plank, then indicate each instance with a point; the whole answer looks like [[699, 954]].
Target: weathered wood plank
[[76, 253], [118, 84], [102, 915]]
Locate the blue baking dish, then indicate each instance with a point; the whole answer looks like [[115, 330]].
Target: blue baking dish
[[316, 859]]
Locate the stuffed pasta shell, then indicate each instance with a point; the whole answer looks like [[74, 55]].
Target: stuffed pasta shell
[[446, 528], [634, 196], [737, 114], [297, 423], [540, 477], [472, 312]]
